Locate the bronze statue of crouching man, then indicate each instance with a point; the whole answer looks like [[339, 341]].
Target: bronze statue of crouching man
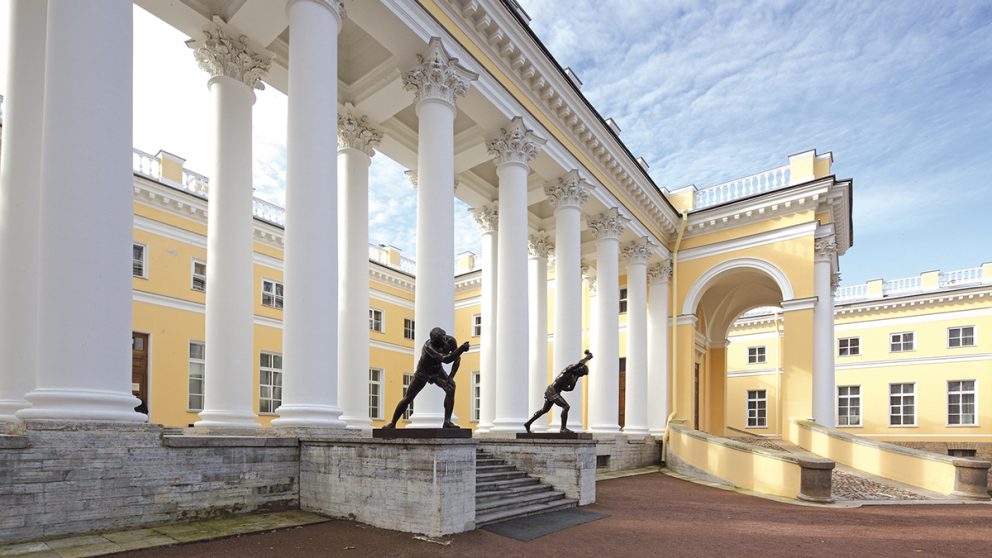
[[439, 349], [564, 382]]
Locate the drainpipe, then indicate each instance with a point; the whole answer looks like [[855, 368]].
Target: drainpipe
[[675, 329]]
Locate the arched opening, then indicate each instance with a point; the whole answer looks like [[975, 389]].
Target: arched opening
[[717, 300]]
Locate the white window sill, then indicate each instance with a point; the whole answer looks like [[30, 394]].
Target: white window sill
[[851, 426], [961, 426], [268, 414], [903, 426], [756, 427]]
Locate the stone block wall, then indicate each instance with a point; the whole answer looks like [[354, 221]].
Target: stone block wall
[[567, 465], [58, 479], [416, 486], [628, 452]]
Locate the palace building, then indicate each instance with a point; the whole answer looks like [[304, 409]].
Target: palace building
[[278, 337]]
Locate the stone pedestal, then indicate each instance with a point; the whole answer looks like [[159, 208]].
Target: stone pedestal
[[416, 486], [554, 436], [421, 433]]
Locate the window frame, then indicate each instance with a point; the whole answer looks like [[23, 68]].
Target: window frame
[[272, 383], [916, 403], [747, 408], [623, 300], [476, 325], [476, 395], [974, 336], [193, 276], [849, 353], [380, 384], [974, 393], [382, 320], [763, 354], [409, 325], [407, 380], [902, 342], [860, 396], [144, 260], [278, 300], [189, 376]]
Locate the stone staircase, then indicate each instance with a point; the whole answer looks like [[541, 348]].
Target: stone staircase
[[502, 492]]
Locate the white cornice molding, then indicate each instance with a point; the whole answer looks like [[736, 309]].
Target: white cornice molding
[[377, 295], [895, 321], [391, 277], [919, 299], [975, 357], [191, 306], [770, 205], [377, 344], [762, 372], [468, 302], [799, 304], [745, 242], [468, 281]]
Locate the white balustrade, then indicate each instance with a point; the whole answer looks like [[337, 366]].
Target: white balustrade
[[764, 181], [969, 276], [146, 165], [269, 212], [902, 285], [851, 292]]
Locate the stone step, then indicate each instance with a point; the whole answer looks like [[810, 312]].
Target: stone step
[[496, 516], [494, 468], [519, 501], [499, 475], [513, 491], [481, 462], [495, 485]]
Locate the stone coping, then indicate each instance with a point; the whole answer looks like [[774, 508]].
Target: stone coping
[[180, 441], [536, 442], [885, 446], [803, 461], [387, 441], [91, 426], [14, 442]]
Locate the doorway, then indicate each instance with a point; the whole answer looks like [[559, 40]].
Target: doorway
[[139, 370]]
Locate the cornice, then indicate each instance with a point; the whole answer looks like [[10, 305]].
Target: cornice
[[468, 281], [919, 299], [508, 44]]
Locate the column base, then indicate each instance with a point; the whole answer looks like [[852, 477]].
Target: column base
[[483, 428], [509, 425], [635, 431], [427, 420], [81, 405], [10, 406], [309, 415], [605, 429], [357, 423], [555, 426], [226, 419], [656, 432]]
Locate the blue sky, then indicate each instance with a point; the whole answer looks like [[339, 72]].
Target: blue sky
[[899, 91]]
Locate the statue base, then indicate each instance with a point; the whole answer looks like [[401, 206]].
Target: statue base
[[421, 433], [554, 436]]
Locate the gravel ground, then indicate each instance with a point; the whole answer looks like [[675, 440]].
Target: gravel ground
[[655, 515]]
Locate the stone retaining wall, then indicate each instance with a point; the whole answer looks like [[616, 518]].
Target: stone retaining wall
[[59, 478], [628, 452], [567, 465]]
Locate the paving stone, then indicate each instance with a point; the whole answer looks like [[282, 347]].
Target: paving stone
[[22, 549]]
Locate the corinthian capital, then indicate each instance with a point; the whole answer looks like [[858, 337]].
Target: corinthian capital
[[515, 144], [540, 245], [355, 132], [608, 224], [638, 251], [220, 54], [570, 190], [825, 247], [660, 272], [437, 75], [486, 216]]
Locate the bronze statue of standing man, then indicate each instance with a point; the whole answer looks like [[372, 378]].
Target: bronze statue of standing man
[[564, 382], [439, 349]]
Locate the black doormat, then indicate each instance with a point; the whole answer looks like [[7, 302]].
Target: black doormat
[[533, 526]]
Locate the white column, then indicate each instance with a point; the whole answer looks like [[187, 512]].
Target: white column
[[357, 141], [235, 72], [823, 332], [487, 217], [658, 334], [566, 195], [436, 81], [86, 216], [635, 400], [539, 247], [589, 277], [310, 317], [513, 149], [604, 382], [20, 177]]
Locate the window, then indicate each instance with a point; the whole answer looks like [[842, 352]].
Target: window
[[139, 264], [902, 404], [755, 355], [848, 405], [272, 294], [476, 325], [623, 300], [407, 378], [269, 382], [476, 396], [961, 403], [962, 452], [199, 276], [197, 363], [757, 409], [375, 320], [899, 342], [961, 336], [849, 346], [408, 328], [375, 393]]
